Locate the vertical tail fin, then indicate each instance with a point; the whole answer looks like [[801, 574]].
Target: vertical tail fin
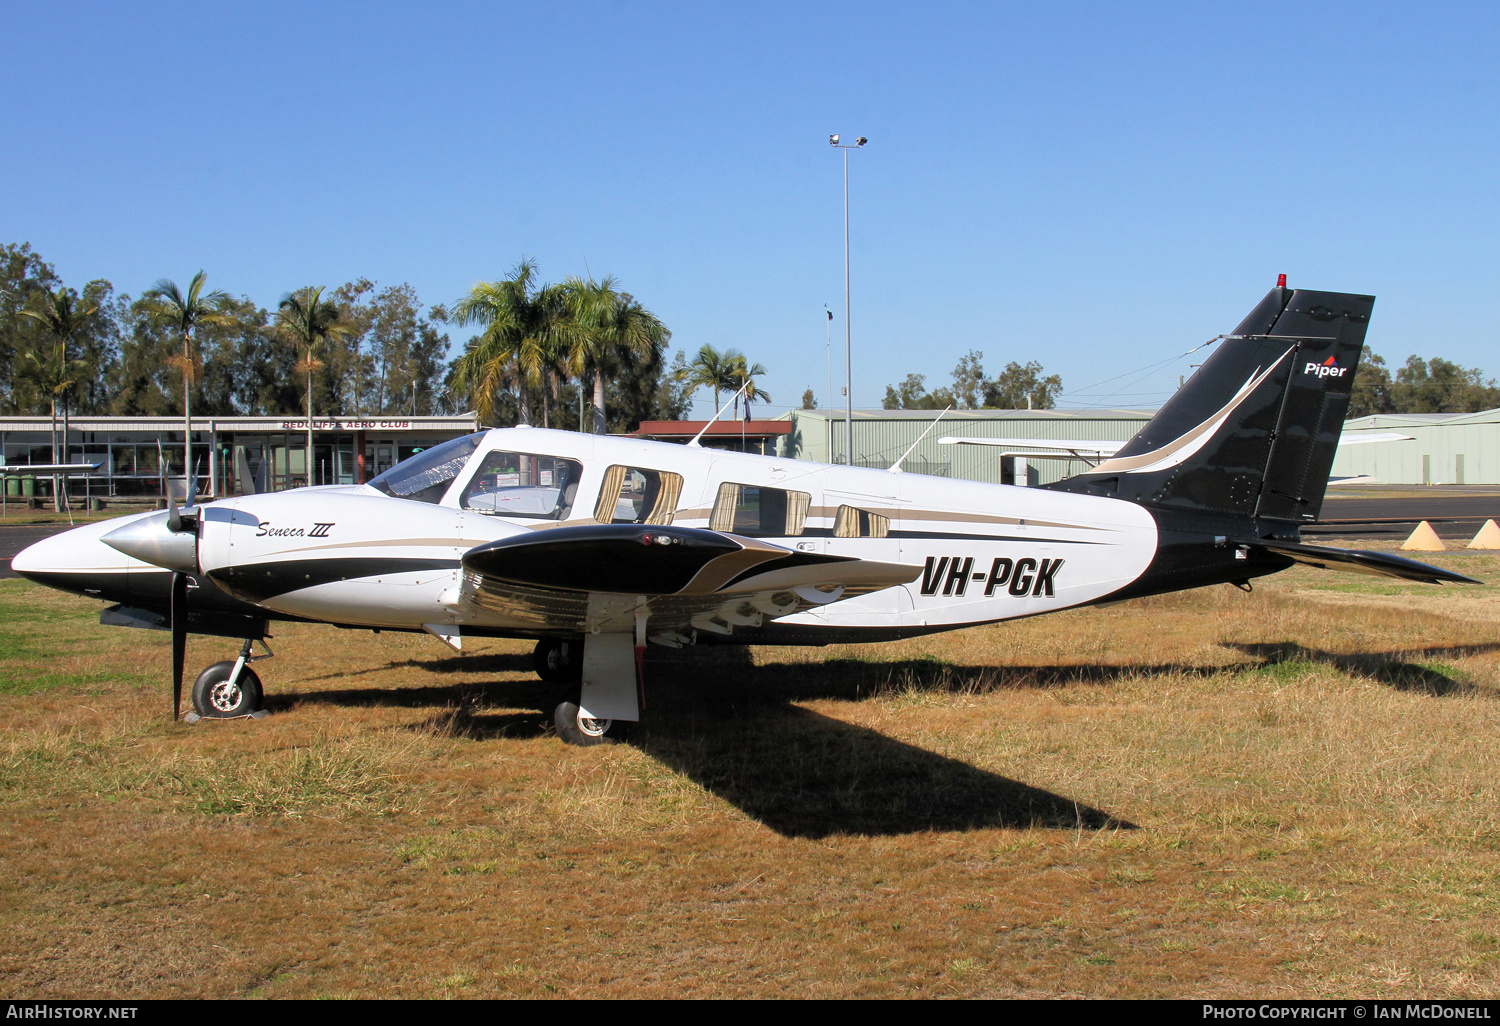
[[1253, 432]]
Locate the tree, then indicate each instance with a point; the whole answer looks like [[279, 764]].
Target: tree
[[742, 376], [97, 344], [183, 313], [1371, 392], [714, 370], [608, 331], [1022, 388], [351, 374], [24, 277], [521, 342], [1016, 387], [308, 320], [1441, 386], [55, 373], [646, 390], [912, 394], [809, 401], [968, 381]]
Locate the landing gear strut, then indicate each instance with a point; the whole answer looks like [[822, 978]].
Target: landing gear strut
[[557, 661], [608, 691], [229, 689]]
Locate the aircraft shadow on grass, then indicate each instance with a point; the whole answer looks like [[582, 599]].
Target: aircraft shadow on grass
[[732, 728], [490, 662], [1392, 669], [807, 775]]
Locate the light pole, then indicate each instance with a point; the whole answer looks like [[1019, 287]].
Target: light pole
[[828, 341], [833, 140]]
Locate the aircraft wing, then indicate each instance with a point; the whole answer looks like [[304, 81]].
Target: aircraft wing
[[1092, 450], [1365, 437], [598, 577], [50, 468], [1099, 447]]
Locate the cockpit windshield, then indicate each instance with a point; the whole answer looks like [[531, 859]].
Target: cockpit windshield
[[427, 475]]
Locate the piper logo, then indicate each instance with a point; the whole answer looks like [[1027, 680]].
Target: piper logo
[[1329, 368]]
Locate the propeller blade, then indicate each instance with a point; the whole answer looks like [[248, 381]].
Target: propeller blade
[[179, 638]]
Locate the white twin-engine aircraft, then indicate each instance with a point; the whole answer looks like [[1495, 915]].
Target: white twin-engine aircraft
[[598, 547]]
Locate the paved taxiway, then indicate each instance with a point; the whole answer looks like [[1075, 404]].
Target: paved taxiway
[[1374, 513], [14, 539]]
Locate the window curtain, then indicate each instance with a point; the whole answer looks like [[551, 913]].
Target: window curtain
[[856, 523], [724, 507], [609, 494], [666, 498], [796, 512]]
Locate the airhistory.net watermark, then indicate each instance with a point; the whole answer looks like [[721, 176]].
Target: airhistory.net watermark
[[48, 1010]]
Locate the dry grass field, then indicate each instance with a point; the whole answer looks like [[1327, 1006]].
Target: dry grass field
[[1289, 793]]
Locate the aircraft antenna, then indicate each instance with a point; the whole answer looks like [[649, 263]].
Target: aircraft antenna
[[716, 416], [895, 468]]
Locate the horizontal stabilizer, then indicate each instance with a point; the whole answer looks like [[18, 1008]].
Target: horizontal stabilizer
[[1380, 564]]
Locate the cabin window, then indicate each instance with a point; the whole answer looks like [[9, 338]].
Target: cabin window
[[633, 495], [759, 512], [858, 523], [520, 484]]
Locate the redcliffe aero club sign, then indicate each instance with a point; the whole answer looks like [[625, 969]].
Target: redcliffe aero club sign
[[344, 425]]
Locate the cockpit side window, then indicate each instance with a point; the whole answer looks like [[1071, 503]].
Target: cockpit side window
[[426, 476], [521, 484]]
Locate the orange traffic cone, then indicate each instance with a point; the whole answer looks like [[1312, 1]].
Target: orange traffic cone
[[1488, 536], [1424, 539]]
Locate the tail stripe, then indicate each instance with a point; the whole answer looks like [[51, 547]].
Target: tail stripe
[[1187, 444]]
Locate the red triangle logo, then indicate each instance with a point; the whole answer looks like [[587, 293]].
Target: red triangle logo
[[1329, 362]]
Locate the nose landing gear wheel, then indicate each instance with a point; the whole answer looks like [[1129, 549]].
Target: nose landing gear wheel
[[215, 697], [577, 729]]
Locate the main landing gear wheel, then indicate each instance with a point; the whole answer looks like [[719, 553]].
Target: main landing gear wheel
[[215, 697], [557, 661], [576, 729]]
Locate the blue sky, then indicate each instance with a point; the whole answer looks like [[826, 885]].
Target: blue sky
[[1098, 187]]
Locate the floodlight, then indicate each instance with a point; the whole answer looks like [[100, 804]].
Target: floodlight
[[833, 140]]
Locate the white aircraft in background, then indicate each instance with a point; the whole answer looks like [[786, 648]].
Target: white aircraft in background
[[597, 547], [1094, 451]]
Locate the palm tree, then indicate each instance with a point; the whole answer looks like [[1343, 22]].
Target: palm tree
[[609, 329], [57, 374], [308, 320], [715, 370], [525, 328], [183, 314], [742, 376]]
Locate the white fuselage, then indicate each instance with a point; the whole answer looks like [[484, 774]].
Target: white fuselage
[[357, 556]]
